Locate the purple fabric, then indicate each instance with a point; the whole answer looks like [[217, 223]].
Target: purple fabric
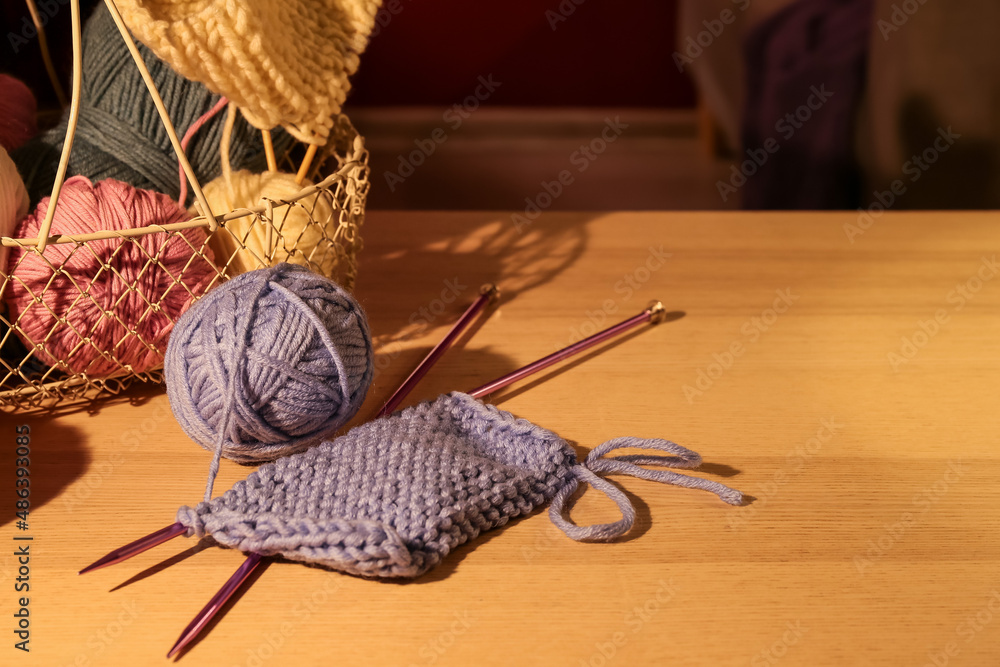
[[812, 52]]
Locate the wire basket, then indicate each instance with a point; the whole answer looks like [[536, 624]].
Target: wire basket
[[33, 377]]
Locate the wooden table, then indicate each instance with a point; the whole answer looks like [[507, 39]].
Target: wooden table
[[849, 384]]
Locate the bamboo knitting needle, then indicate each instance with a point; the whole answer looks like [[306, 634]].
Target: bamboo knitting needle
[[272, 162], [487, 293], [306, 163]]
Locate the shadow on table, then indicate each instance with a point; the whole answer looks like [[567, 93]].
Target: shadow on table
[[441, 272], [57, 458]]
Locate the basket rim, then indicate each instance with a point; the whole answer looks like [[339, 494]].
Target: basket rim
[[354, 161]]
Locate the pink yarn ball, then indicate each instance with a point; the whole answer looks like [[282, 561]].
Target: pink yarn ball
[[91, 316], [18, 113]]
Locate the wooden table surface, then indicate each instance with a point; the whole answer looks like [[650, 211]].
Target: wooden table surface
[[846, 377]]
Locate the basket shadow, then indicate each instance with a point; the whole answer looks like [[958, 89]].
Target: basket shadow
[[56, 459], [416, 280]]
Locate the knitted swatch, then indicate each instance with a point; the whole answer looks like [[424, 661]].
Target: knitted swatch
[[283, 62], [392, 497]]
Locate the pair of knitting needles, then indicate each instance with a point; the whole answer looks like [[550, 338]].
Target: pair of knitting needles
[[653, 314]]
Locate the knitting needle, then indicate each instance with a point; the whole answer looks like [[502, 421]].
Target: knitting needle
[[272, 162], [654, 313], [487, 293], [306, 163], [216, 603], [135, 548]]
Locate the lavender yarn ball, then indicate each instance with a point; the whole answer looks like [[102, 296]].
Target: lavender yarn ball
[[268, 363]]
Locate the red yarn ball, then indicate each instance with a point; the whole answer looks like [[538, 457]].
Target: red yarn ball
[[18, 113], [108, 301]]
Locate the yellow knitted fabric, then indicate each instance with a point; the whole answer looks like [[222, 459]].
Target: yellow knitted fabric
[[283, 62]]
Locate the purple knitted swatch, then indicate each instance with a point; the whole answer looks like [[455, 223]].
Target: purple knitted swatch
[[392, 497]]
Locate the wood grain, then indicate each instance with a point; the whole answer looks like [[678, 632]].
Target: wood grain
[[873, 538]]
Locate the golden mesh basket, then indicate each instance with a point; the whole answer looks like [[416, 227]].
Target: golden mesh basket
[[31, 378]]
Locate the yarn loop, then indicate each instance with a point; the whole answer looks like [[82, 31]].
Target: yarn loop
[[393, 497]]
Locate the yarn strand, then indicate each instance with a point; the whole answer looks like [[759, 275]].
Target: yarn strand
[[631, 465], [195, 126]]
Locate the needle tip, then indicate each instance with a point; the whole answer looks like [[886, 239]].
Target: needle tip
[[104, 561], [182, 642]]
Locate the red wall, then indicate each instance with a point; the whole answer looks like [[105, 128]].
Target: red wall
[[431, 52], [604, 53]]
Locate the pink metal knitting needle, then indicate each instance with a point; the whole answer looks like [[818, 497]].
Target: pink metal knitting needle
[[216, 603], [654, 313], [135, 548], [487, 293]]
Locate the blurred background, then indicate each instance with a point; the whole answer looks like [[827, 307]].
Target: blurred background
[[661, 104]]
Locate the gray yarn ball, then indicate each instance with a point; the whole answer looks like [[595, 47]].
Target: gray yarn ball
[[119, 133], [268, 363]]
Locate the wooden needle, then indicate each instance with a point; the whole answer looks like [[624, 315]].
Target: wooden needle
[[306, 163], [272, 161]]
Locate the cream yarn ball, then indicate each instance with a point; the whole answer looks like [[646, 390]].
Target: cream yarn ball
[[246, 243]]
